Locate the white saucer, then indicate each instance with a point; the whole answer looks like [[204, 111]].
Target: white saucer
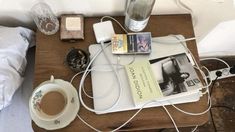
[[68, 114]]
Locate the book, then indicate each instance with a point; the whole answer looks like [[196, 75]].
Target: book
[[135, 43], [142, 82], [162, 79]]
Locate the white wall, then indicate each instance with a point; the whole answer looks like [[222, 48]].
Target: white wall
[[14, 12], [208, 13]]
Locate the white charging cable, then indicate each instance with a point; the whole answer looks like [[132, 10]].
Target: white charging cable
[[86, 72], [102, 19], [194, 130], [172, 119], [218, 59], [207, 85], [133, 116], [196, 114], [96, 68], [181, 41], [207, 77], [160, 40], [104, 69], [183, 6], [115, 73], [95, 129], [82, 84], [207, 71], [180, 4]]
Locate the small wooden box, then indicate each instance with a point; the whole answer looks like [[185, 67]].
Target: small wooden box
[[72, 27]]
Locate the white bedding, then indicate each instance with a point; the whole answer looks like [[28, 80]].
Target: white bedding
[[14, 43], [15, 117]]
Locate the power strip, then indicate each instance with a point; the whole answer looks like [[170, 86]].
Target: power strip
[[226, 72]]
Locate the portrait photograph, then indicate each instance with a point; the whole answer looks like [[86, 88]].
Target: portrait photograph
[[174, 74]]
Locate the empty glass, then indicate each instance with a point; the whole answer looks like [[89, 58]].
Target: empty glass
[[44, 18]]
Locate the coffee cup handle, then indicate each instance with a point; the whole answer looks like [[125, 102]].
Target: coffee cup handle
[[52, 79]]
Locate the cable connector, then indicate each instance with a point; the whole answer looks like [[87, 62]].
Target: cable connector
[[218, 73], [232, 70]]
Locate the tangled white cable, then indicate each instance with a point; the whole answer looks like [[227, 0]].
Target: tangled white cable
[[86, 72], [207, 85]]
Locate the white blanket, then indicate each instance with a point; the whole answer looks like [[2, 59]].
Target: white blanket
[[14, 43]]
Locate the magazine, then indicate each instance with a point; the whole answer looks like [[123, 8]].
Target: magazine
[[136, 43], [174, 75]]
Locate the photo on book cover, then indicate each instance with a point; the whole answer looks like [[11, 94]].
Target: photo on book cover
[[175, 74], [134, 43], [143, 42]]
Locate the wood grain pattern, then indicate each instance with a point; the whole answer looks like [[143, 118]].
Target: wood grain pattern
[[50, 56]]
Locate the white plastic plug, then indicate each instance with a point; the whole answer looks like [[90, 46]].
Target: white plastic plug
[[103, 31]]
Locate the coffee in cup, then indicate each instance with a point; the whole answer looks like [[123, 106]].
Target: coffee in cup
[[53, 103]]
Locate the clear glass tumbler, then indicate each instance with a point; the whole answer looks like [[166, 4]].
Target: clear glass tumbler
[[44, 18], [137, 14]]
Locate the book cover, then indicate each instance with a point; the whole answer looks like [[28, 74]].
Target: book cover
[[136, 43], [175, 75], [119, 44], [143, 84], [162, 79]]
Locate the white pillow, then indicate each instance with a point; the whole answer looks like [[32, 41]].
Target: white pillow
[[14, 43]]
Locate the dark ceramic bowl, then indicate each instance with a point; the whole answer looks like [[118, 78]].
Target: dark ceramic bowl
[[77, 59]]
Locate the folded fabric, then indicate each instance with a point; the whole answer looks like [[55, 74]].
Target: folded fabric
[[10, 80], [14, 43]]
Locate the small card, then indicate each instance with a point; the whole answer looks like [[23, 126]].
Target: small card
[[73, 23], [72, 26]]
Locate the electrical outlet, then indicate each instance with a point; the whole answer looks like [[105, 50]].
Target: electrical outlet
[[225, 73]]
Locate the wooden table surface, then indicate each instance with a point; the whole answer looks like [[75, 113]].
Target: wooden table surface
[[50, 56]]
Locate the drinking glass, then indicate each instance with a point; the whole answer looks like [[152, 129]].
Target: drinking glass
[[44, 18], [137, 14]]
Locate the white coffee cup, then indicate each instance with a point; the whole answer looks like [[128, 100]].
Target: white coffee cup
[[39, 94], [67, 111]]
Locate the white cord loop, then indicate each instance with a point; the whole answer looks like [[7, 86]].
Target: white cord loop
[[118, 66]]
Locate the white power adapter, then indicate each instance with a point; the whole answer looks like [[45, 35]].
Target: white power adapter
[[103, 31]]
